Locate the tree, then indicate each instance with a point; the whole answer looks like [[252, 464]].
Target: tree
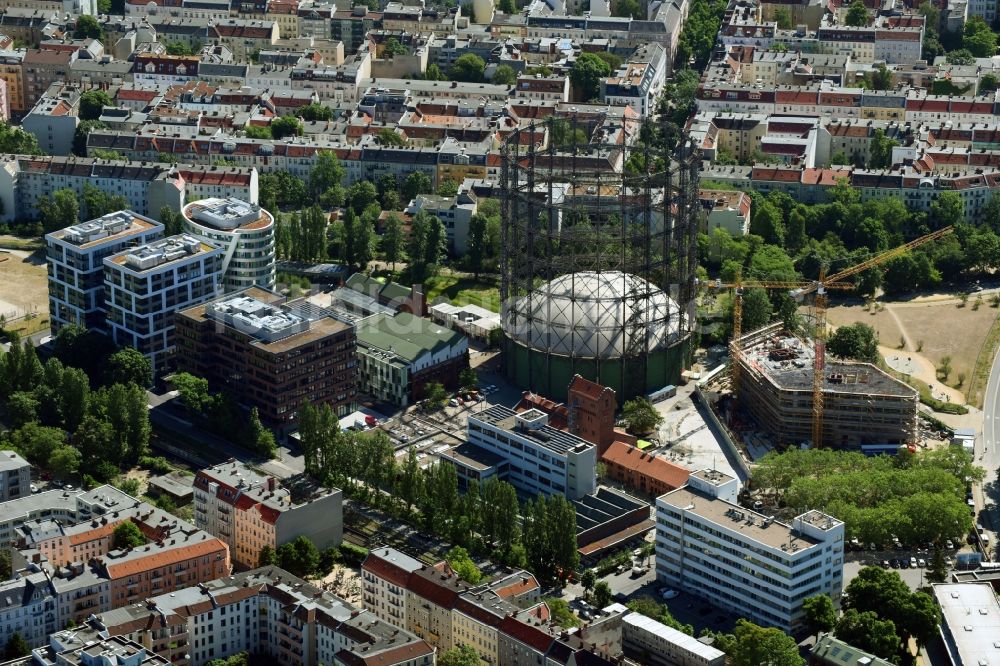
[[468, 378], [434, 395], [586, 75], [561, 613], [326, 173], [752, 645], [627, 9], [641, 416], [783, 17], [393, 48], [268, 557], [477, 244], [434, 73], [961, 57], [602, 594], [856, 341], [315, 112], [867, 632], [390, 137], [37, 443], [416, 183], [884, 593], [129, 366], [459, 560], [300, 557], [176, 48], [988, 83], [459, 655], [447, 188], [83, 130], [22, 408], [588, 579], [881, 150], [820, 613], [857, 14], [171, 220], [64, 462], [468, 67], [263, 438], [881, 78], [937, 572], [60, 211], [127, 535], [979, 39], [505, 75], [99, 203], [946, 210], [92, 104], [87, 27], [392, 239], [193, 391], [756, 309], [507, 6], [16, 647], [286, 126]]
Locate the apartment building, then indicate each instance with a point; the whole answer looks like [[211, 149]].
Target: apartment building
[[540, 459], [270, 354], [146, 285], [743, 561], [654, 643], [245, 231], [40, 68], [432, 602], [455, 214], [399, 355], [861, 403], [266, 611], [75, 258], [87, 646], [15, 476], [147, 187], [10, 72], [249, 511], [727, 210], [73, 569]]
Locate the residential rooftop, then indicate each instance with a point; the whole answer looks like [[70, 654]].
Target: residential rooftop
[[162, 253], [110, 228], [532, 424]]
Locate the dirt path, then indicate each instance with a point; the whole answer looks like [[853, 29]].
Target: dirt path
[[917, 366], [902, 329]]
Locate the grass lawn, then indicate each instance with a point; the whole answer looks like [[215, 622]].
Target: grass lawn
[[464, 291]]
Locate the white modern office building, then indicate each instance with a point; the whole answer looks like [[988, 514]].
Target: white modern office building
[[75, 258], [743, 561], [245, 231], [540, 458], [146, 285]]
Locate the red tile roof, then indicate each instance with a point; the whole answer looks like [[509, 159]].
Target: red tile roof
[[651, 465]]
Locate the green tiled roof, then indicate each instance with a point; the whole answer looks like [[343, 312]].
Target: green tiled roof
[[372, 287], [406, 335]]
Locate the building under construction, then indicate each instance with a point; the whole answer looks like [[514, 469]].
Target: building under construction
[[861, 405], [599, 240]]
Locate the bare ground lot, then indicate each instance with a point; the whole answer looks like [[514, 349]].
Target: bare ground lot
[[23, 282], [940, 327]]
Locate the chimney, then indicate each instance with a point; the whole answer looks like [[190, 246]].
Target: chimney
[[271, 483]]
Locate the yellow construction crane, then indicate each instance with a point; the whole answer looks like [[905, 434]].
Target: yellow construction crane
[[798, 291]]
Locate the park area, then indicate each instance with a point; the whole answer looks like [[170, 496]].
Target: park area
[[23, 285], [464, 291], [927, 331]]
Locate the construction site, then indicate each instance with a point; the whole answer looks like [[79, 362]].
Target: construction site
[[862, 405]]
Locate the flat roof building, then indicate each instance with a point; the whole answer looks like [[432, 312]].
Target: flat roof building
[[249, 511], [861, 403], [146, 285], [656, 644], [744, 561], [15, 476], [399, 355], [75, 258], [245, 231], [970, 622], [540, 458], [245, 343]]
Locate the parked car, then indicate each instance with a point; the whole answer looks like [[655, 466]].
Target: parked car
[[453, 403], [885, 564], [34, 488], [670, 594], [913, 562], [949, 544], [921, 563], [894, 563]]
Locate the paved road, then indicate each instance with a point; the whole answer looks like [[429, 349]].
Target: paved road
[[988, 452]]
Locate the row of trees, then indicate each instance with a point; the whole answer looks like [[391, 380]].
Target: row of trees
[[62, 424], [486, 518], [218, 413], [917, 497], [63, 208]]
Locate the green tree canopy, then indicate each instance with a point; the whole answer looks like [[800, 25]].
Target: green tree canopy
[[468, 67], [127, 535], [459, 560], [129, 366], [857, 14], [857, 341], [504, 75], [88, 27], [586, 75], [820, 613], [92, 103], [286, 126], [867, 632], [300, 557], [641, 416], [315, 112], [459, 655]]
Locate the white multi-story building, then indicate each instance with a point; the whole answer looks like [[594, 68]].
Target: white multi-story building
[[15, 476], [540, 458], [245, 231], [76, 264], [145, 286], [743, 561], [249, 511]]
